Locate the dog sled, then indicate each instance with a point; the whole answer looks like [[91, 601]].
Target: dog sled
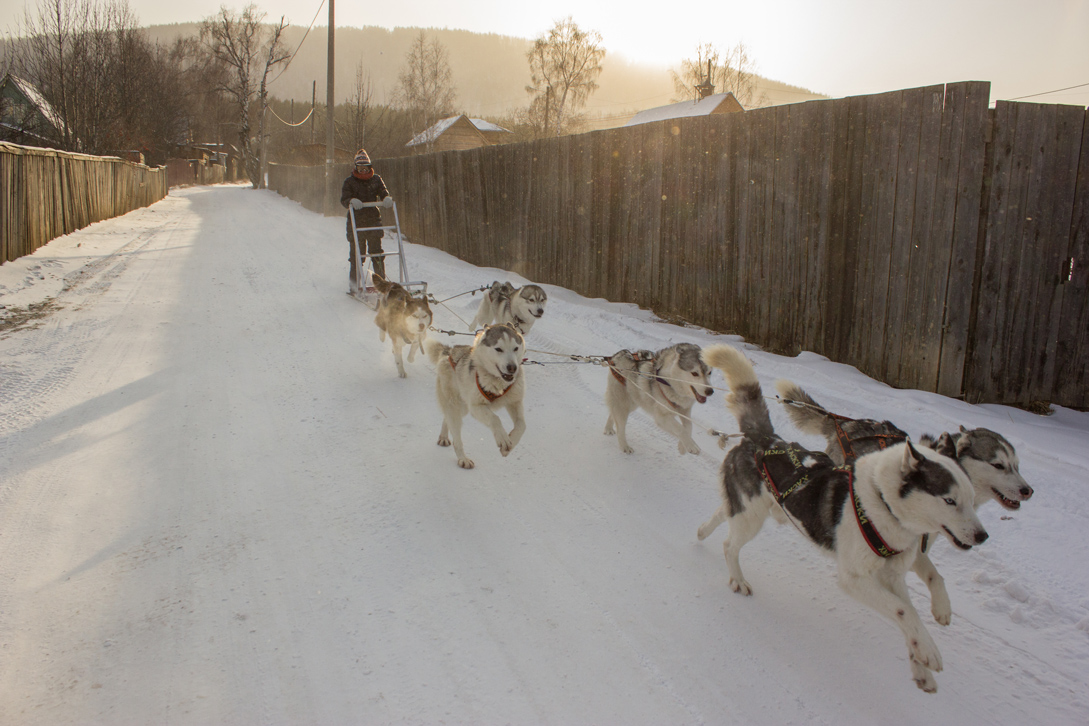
[[363, 289]]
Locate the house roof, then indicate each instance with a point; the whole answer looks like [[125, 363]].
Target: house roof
[[716, 103], [34, 97], [440, 127]]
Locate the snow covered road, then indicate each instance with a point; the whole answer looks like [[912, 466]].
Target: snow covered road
[[220, 505]]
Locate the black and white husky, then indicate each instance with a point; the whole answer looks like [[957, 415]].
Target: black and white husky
[[665, 384], [479, 379], [508, 305], [870, 517], [986, 456], [404, 318]]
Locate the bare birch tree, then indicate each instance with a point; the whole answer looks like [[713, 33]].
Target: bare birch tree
[[248, 51], [564, 64], [732, 71], [426, 89]]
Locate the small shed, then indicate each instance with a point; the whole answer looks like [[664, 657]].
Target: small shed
[[25, 116], [458, 132], [713, 104]]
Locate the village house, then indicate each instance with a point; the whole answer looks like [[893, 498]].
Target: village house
[[26, 117], [716, 103], [457, 133]]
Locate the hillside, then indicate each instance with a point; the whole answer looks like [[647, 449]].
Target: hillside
[[490, 71]]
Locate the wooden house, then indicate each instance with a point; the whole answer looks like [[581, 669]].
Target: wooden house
[[26, 117], [713, 104], [458, 132]]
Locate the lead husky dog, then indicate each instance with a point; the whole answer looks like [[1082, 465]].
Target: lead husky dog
[[986, 456], [870, 517], [489, 305], [665, 384], [479, 379], [403, 317], [520, 307]]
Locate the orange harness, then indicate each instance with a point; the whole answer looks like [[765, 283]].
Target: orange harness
[[491, 397]]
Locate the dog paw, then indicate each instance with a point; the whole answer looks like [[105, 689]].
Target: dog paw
[[740, 587], [924, 651], [923, 678], [444, 441], [941, 608], [686, 448], [505, 445], [627, 449], [609, 431], [466, 463]]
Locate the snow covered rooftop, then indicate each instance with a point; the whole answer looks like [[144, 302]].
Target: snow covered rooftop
[[440, 127], [683, 109]]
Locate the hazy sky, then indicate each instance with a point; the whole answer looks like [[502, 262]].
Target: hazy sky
[[836, 47]]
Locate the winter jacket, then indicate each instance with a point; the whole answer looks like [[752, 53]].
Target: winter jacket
[[365, 190]]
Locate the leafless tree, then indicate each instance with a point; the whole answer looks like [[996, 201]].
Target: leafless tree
[[564, 64], [426, 89], [732, 71], [360, 107], [248, 51], [111, 90]]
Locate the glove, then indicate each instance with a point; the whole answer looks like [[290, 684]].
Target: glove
[[387, 202], [357, 204]]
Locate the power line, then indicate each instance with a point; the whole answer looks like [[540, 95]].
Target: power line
[[299, 46], [1045, 93]]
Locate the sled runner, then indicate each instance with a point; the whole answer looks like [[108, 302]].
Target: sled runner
[[367, 293]]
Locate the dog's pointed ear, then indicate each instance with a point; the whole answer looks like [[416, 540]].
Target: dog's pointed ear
[[945, 446], [912, 459]]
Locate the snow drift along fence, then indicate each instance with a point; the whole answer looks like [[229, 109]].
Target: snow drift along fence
[[45, 194], [918, 235]]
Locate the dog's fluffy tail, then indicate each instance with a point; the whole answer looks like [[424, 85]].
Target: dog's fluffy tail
[[435, 350], [809, 417], [746, 399]]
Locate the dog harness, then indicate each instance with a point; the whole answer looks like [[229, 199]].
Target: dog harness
[[883, 434], [637, 357], [788, 469], [486, 394]]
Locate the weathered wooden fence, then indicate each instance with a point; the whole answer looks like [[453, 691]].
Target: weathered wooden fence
[[918, 235], [45, 194]]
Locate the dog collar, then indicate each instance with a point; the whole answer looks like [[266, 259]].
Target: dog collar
[[488, 394], [869, 532]]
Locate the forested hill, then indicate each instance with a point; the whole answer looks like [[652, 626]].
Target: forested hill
[[490, 71]]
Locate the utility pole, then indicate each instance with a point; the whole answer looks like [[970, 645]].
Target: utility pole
[[313, 109], [329, 106]]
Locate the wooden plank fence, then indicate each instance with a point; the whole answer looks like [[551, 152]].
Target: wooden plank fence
[[45, 194], [930, 241]]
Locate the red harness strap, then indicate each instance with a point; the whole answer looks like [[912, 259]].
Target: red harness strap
[[869, 532], [489, 395]]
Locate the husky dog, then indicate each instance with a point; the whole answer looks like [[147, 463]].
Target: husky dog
[[665, 384], [523, 308], [403, 317], [869, 516], [479, 379], [489, 306], [986, 456]]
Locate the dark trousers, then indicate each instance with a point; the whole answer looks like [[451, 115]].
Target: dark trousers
[[373, 244]]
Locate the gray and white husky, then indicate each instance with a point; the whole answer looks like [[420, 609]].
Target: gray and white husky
[[986, 456], [403, 317], [480, 379], [520, 307], [665, 384], [870, 517], [489, 304]]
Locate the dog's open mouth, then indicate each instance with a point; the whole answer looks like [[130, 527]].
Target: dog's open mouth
[[508, 377], [701, 399], [537, 314], [1007, 503], [956, 541]]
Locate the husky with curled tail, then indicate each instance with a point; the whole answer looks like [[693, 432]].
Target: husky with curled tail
[[986, 456], [489, 304], [480, 379], [404, 318], [870, 517]]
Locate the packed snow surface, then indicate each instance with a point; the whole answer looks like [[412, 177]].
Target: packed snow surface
[[220, 505]]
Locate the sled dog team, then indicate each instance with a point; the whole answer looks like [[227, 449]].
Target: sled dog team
[[874, 500]]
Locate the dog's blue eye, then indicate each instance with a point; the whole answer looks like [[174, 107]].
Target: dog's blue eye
[[951, 502]]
